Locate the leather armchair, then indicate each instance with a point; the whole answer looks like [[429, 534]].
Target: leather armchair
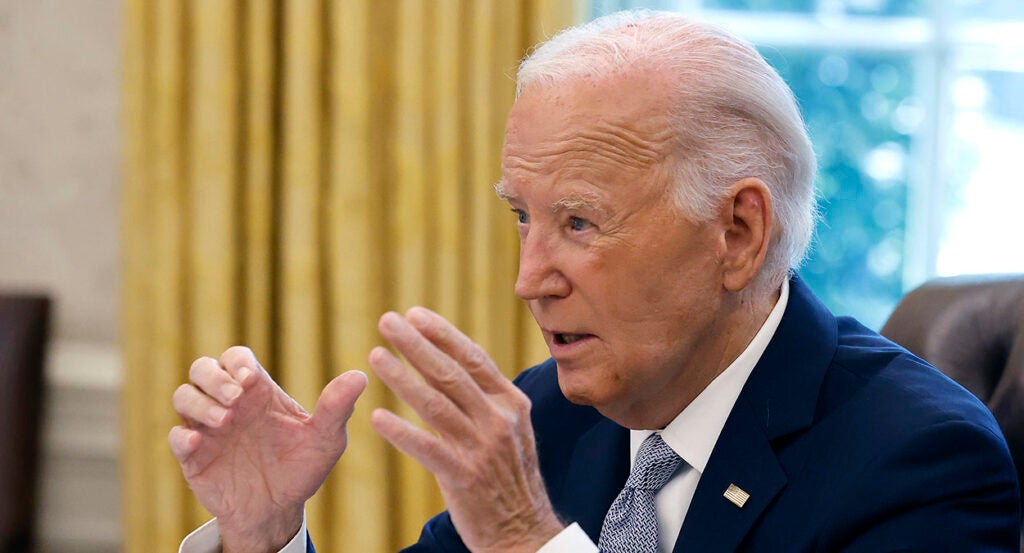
[[23, 335], [972, 329]]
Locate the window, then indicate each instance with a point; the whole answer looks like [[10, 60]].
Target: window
[[915, 113]]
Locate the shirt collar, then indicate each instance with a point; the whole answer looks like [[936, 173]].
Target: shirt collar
[[694, 431]]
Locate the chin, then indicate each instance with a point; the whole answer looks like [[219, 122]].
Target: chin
[[574, 394], [578, 399], [578, 389]]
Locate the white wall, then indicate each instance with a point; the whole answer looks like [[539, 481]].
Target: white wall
[[59, 194]]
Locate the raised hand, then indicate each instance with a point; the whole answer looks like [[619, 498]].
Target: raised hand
[[251, 454], [482, 449]]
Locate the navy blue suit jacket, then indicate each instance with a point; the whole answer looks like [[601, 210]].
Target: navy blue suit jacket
[[844, 441]]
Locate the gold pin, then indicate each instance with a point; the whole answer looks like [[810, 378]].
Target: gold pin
[[737, 496]]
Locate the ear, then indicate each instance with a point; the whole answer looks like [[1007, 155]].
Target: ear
[[748, 233]]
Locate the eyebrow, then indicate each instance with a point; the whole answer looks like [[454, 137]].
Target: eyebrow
[[499, 189], [572, 202], [588, 200]]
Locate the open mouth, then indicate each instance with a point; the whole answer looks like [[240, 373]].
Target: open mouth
[[563, 338]]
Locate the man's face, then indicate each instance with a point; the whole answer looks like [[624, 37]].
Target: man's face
[[627, 292]]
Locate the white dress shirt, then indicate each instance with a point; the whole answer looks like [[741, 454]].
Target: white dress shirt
[[692, 435]]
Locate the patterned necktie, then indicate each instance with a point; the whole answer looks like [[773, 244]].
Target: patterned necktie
[[631, 525]]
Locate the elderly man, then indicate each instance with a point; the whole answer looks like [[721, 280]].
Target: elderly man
[[699, 397]]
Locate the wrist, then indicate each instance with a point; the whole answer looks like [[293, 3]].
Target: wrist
[[527, 539], [546, 531], [270, 534]]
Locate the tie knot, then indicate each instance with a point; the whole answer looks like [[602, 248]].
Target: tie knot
[[655, 464]]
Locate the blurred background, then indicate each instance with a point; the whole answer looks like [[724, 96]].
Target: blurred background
[[913, 108], [180, 176]]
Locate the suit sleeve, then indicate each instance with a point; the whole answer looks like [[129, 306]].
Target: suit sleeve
[[951, 487], [438, 535]]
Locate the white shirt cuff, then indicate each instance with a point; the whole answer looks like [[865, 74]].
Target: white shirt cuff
[[570, 540], [206, 539]]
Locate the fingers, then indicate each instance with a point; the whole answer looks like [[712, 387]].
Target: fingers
[[183, 442], [439, 369], [337, 403], [207, 399], [452, 342], [197, 408], [433, 406], [239, 362], [415, 442], [207, 374]]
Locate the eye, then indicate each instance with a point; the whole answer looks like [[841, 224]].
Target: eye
[[521, 216], [578, 223]]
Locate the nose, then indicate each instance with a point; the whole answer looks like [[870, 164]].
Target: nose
[[539, 273]]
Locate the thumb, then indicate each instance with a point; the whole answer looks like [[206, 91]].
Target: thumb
[[337, 402]]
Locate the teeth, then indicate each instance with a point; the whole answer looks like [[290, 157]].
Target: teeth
[[569, 338]]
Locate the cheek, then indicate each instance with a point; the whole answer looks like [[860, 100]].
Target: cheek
[[619, 284], [678, 288], [658, 324], [649, 295]]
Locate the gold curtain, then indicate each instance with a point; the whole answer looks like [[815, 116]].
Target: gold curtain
[[292, 170]]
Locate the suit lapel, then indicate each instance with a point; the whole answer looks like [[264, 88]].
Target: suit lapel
[[742, 457], [596, 474], [778, 400]]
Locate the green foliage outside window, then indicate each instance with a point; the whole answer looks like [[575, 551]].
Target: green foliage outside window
[[873, 7], [860, 113]]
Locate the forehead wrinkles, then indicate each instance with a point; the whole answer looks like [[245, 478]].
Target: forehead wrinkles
[[603, 140]]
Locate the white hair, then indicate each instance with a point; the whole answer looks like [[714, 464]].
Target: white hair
[[734, 115]]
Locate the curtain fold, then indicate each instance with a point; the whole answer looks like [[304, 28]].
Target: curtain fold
[[292, 170]]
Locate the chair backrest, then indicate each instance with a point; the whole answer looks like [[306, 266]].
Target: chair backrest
[[24, 322], [972, 329]]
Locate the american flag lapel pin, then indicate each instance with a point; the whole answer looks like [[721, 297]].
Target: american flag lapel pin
[[736, 495]]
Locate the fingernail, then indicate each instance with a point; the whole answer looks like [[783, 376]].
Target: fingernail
[[392, 322], [244, 373], [231, 391], [217, 413], [358, 375], [377, 355], [418, 317]]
